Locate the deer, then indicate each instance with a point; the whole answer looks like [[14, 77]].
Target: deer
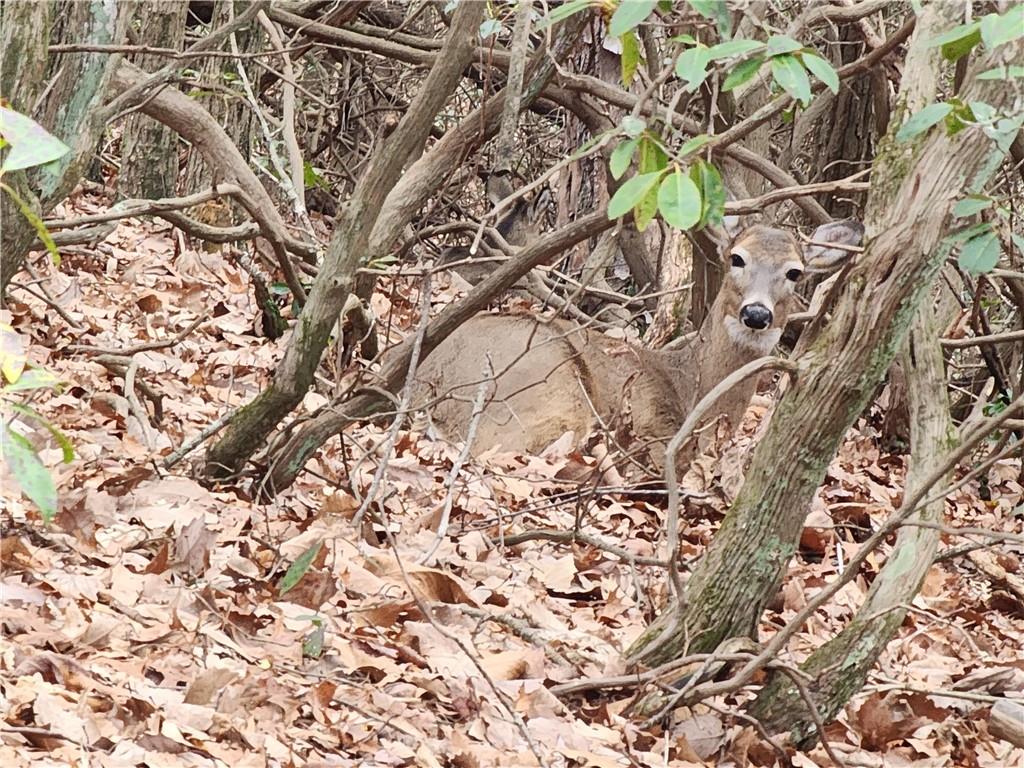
[[543, 378], [517, 226]]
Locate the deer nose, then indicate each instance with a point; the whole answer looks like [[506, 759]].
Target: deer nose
[[756, 316]]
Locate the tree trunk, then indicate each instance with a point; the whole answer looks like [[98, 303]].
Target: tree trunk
[[223, 99], [779, 705], [348, 247], [915, 186], [69, 111], [149, 151]]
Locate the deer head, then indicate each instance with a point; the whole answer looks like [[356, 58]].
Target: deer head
[[763, 268]]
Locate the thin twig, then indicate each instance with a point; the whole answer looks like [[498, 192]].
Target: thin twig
[[148, 346], [449, 497], [403, 408], [136, 407], [206, 433]]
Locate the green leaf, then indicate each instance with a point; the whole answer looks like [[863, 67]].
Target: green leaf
[[717, 11], [299, 568], [628, 15], [970, 206], [33, 378], [742, 72], [679, 200], [980, 254], [313, 643], [983, 112], [822, 70], [630, 57], [631, 193], [311, 178], [694, 144], [563, 12], [733, 48], [489, 27], [1005, 131], [954, 34], [632, 126], [1011, 72], [998, 30], [692, 67], [646, 210], [621, 157], [29, 472], [67, 451], [778, 44], [921, 121], [37, 223], [30, 144], [958, 41], [712, 192], [652, 156], [791, 76], [1018, 240]]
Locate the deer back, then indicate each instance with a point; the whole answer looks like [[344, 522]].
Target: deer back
[[540, 379]]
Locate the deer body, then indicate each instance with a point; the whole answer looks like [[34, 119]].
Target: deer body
[[546, 378]]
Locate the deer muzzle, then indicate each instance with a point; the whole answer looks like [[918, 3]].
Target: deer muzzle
[[756, 316]]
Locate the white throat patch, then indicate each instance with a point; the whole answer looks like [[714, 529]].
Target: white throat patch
[[761, 342]]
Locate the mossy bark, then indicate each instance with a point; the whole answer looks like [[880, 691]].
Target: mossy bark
[[839, 668], [70, 108]]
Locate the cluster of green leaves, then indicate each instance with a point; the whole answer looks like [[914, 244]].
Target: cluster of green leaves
[[791, 64], [979, 244], [992, 29], [689, 193], [18, 453], [685, 198]]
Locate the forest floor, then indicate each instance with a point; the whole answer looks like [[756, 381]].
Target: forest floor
[[147, 624]]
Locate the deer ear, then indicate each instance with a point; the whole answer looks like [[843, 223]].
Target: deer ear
[[822, 258], [724, 233], [498, 186]]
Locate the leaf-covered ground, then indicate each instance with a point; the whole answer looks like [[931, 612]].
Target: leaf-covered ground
[[146, 626]]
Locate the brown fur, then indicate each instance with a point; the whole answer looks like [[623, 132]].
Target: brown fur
[[553, 377]]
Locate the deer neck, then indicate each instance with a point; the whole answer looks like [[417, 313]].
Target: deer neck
[[721, 346]]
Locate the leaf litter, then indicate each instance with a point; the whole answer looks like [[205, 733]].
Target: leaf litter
[[148, 625]]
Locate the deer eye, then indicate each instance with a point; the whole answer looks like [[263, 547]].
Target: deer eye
[[737, 261], [794, 274]]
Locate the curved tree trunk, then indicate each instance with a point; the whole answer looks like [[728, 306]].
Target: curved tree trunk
[[742, 569], [348, 247]]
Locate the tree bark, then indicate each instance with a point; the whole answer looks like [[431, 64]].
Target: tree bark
[[779, 705], [232, 114], [348, 247], [71, 107], [915, 186], [149, 151]]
